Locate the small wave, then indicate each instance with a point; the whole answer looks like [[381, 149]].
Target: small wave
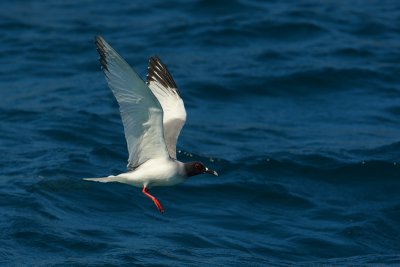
[[285, 31], [371, 29], [363, 260], [278, 32], [17, 115], [271, 55], [221, 7], [352, 52], [388, 154], [325, 80]]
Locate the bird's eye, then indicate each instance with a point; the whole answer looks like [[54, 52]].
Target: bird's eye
[[198, 166]]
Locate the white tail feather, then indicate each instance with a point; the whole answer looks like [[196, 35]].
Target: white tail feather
[[103, 180]]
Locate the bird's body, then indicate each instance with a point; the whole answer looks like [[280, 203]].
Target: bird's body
[[153, 115], [154, 172]]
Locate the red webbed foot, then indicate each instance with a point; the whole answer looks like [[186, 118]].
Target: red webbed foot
[[156, 202]]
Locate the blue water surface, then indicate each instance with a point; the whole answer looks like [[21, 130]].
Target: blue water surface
[[296, 104]]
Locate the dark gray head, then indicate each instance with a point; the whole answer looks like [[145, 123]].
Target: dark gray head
[[194, 168]]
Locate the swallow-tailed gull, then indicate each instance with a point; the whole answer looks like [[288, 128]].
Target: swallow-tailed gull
[[153, 115]]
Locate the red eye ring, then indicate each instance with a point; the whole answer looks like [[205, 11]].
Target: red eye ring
[[198, 166]]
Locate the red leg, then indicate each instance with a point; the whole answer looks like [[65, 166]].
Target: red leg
[[156, 202]]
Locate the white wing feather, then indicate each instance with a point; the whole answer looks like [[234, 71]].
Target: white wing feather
[[141, 113], [164, 88]]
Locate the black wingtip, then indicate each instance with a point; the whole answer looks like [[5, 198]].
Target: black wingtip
[[100, 46], [158, 72]]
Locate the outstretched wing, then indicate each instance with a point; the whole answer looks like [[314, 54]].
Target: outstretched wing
[[164, 88], [141, 113]]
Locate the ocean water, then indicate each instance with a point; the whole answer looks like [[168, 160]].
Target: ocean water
[[296, 105]]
